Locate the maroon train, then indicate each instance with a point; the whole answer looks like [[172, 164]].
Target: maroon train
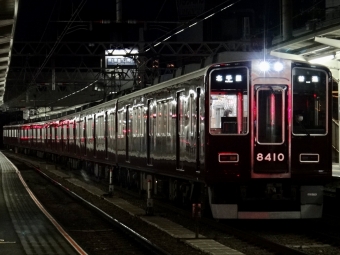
[[251, 139]]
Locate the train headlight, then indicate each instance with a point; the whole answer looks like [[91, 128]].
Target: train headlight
[[278, 66], [264, 66]]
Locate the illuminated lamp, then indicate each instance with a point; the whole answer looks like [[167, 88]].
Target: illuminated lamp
[[278, 66], [315, 79], [301, 78], [322, 59], [264, 66]]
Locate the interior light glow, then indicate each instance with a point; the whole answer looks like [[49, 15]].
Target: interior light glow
[[264, 66], [278, 66], [315, 79], [301, 78], [322, 59]]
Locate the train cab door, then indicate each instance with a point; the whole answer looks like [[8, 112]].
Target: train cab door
[[270, 153]]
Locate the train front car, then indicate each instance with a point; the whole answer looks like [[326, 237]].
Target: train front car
[[268, 145]]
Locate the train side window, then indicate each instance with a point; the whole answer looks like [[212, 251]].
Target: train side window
[[141, 121], [100, 127], [70, 130], [89, 128], [121, 123], [159, 119], [135, 122], [165, 119], [112, 125]]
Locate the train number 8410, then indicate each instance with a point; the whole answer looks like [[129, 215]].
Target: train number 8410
[[270, 157]]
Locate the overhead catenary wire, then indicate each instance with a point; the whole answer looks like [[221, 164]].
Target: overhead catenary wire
[[65, 31], [204, 16]]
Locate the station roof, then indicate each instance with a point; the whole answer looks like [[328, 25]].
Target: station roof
[[8, 15]]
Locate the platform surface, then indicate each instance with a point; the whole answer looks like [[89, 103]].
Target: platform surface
[[24, 228]]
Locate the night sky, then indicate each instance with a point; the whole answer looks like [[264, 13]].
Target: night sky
[[42, 20]]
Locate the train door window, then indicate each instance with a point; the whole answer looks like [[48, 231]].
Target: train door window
[[310, 90], [191, 116], [228, 101], [89, 129], [70, 131], [270, 117], [111, 125], [100, 127], [141, 120], [159, 119], [182, 109], [121, 123], [59, 130], [65, 135], [152, 117], [53, 133], [135, 122], [43, 133]]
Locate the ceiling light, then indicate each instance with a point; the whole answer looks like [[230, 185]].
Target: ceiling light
[[321, 59]]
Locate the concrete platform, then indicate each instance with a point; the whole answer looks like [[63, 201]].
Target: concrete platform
[[24, 228]]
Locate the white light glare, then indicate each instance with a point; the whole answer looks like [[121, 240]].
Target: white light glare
[[278, 66], [301, 78], [264, 66], [315, 79], [322, 59]]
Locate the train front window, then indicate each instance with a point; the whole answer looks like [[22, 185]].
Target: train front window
[[309, 102], [228, 101]]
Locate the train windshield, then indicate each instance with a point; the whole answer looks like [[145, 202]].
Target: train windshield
[[309, 101], [229, 101]]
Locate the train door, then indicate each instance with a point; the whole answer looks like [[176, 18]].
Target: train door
[[180, 131], [270, 131]]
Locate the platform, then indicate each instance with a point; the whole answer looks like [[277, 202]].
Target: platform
[[335, 170], [24, 228]]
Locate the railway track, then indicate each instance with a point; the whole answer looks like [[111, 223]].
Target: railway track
[[239, 235], [96, 231]]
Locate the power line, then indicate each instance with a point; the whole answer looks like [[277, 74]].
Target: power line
[[204, 16]]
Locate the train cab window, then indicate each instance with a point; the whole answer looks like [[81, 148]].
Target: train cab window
[[309, 115], [228, 101], [270, 113]]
